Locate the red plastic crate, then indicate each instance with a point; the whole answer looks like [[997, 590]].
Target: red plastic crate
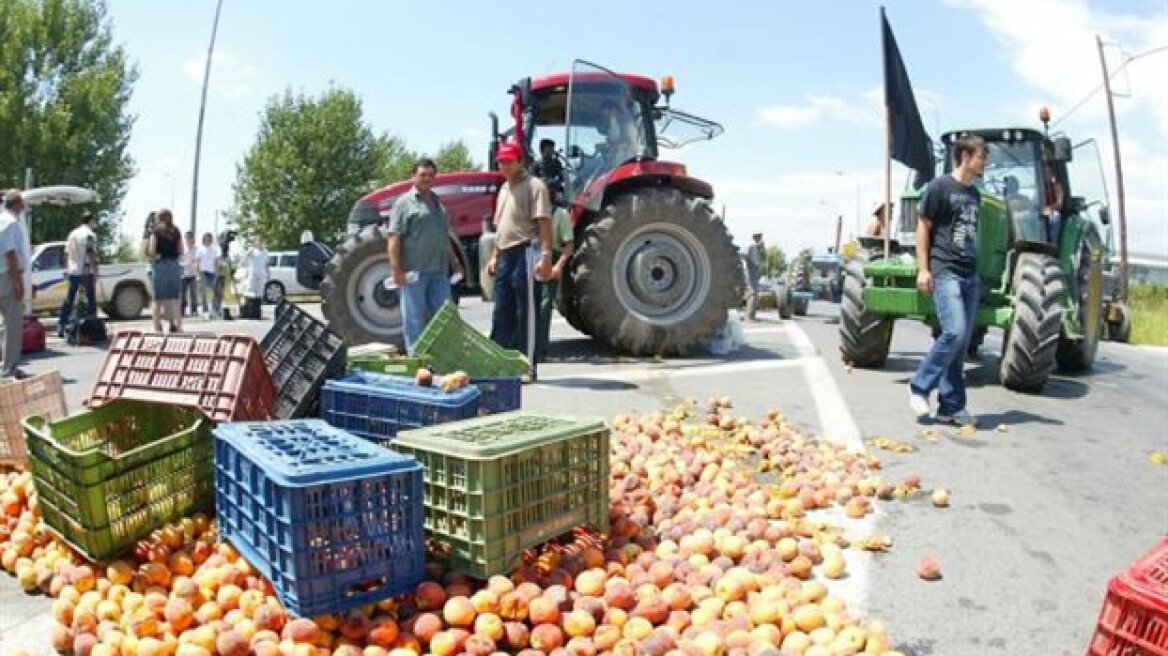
[[223, 376], [1134, 619], [41, 395]]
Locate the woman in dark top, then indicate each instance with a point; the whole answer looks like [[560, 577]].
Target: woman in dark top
[[165, 247]]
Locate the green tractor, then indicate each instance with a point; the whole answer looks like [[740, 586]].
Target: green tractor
[[1041, 281]]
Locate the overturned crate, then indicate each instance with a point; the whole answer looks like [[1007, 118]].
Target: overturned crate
[[301, 354]]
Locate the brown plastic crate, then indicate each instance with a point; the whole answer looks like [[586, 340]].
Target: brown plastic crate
[[223, 376], [41, 395]]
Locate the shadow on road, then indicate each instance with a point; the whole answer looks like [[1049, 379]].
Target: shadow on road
[[1015, 418], [584, 350], [595, 384]]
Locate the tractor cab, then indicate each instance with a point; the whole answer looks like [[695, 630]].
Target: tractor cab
[[600, 121]]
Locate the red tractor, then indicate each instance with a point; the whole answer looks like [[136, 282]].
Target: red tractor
[[654, 271]]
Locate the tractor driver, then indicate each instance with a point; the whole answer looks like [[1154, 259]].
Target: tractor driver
[[549, 168], [620, 143]]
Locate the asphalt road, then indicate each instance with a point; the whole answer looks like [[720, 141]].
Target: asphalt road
[[1044, 510]]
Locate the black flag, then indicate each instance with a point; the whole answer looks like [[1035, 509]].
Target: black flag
[[911, 145]]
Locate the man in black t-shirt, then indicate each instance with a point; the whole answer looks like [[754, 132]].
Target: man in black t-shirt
[[947, 261]]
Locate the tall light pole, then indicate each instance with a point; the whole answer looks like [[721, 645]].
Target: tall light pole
[[1119, 200], [202, 112]]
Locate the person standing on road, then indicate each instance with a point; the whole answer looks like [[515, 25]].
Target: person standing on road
[[13, 263], [258, 270], [81, 267], [562, 243], [164, 247], [208, 256], [522, 256], [947, 261], [755, 260], [420, 252], [190, 280]]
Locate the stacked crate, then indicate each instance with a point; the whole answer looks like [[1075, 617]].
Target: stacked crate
[[333, 521], [41, 395], [1134, 618], [500, 484], [107, 477]]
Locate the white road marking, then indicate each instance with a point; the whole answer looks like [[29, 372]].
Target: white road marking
[[837, 424]]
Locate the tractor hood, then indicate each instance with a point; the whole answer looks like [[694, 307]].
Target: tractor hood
[[469, 198]]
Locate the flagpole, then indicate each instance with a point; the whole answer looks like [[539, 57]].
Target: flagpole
[[887, 151]]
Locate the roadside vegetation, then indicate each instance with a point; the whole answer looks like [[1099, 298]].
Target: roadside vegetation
[[1149, 304]]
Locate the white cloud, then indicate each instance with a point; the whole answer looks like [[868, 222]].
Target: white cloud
[[231, 78], [818, 108], [1061, 62]]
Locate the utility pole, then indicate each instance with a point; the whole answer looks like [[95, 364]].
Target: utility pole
[[202, 112], [1118, 174]]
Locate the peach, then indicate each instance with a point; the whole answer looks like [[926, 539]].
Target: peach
[[270, 616], [513, 606], [500, 585], [430, 596], [517, 635], [616, 617], [479, 645], [459, 612], [677, 597], [83, 644], [179, 614], [355, 626], [62, 638], [231, 643], [621, 596], [344, 650], [606, 636], [543, 610], [490, 625], [580, 646], [579, 623], [591, 582], [546, 637], [301, 630], [659, 643], [383, 632], [637, 628], [485, 601], [426, 626]]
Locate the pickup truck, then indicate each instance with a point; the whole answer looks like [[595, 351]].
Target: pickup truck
[[123, 290]]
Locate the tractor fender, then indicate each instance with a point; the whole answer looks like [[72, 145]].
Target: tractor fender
[[637, 176]]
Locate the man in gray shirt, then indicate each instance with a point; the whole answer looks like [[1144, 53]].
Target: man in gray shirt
[[420, 252], [13, 264]]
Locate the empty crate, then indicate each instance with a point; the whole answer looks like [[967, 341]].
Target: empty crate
[[107, 477], [224, 376], [40, 395], [301, 353], [333, 521], [500, 484], [452, 345]]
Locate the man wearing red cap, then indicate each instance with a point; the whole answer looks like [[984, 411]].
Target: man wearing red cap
[[522, 255]]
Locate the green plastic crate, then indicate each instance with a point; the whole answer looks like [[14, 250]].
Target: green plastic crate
[[111, 475], [452, 345], [497, 485], [394, 365]]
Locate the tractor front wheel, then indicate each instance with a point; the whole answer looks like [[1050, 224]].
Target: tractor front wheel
[[354, 299], [864, 336], [1079, 354], [1028, 350], [656, 274]]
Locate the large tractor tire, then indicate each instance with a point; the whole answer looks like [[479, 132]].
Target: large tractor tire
[[568, 303], [1031, 341], [785, 301], [1087, 291], [864, 336], [354, 299], [656, 274]]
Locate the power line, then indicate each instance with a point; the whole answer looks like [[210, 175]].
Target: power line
[[1099, 87]]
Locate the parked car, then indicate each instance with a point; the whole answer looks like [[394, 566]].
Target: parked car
[[282, 265], [123, 290]]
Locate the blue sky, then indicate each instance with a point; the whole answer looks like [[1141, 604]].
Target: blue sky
[[796, 85]]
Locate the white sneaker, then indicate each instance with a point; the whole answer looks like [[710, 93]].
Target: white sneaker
[[959, 418], [919, 403]]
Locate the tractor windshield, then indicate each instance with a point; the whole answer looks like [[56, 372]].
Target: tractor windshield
[[1013, 173], [607, 125]]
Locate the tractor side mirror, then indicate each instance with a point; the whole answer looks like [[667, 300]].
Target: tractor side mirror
[[574, 152], [1063, 150], [1105, 215]]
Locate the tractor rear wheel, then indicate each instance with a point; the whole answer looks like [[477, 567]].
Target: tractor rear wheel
[[864, 336], [354, 299], [785, 301], [568, 303], [656, 274], [1031, 341], [1079, 354]]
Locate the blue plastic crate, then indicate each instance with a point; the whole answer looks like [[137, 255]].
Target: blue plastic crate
[[376, 406], [333, 521], [498, 394]]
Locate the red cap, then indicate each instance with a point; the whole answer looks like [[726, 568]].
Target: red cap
[[509, 152]]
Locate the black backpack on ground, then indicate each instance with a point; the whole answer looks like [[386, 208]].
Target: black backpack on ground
[[85, 330]]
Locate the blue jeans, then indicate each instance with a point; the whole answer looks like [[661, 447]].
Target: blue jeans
[[84, 281], [516, 292], [955, 298], [212, 297], [420, 301]]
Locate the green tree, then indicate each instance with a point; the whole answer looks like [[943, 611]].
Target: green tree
[[125, 249], [455, 156], [776, 261], [64, 95], [313, 157]]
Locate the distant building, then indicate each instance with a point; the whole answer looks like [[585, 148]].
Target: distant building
[[1146, 268]]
